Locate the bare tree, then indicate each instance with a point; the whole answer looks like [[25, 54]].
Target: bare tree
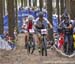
[[1, 16], [62, 6], [11, 17], [57, 5], [72, 5], [49, 9], [16, 18], [21, 3], [25, 3], [41, 4], [34, 2], [30, 3], [3, 7], [68, 7]]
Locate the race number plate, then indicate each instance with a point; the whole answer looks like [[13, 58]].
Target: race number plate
[[31, 31], [43, 31]]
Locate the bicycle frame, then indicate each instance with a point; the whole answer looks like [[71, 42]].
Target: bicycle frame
[[31, 44]]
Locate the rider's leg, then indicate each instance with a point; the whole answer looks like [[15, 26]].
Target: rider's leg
[[48, 37], [26, 39], [34, 41], [39, 40]]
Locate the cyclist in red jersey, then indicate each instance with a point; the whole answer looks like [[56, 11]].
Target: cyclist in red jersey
[[30, 26]]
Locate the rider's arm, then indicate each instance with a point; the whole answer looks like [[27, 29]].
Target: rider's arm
[[70, 26], [61, 23], [50, 25], [35, 22]]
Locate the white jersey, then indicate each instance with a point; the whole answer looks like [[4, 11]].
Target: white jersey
[[44, 20]]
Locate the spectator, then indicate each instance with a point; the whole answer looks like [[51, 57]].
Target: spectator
[[66, 24]]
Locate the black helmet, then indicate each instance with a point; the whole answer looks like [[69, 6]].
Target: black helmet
[[40, 14]]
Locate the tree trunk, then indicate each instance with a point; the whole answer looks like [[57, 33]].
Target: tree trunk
[[30, 3], [41, 4], [34, 2], [1, 17], [49, 9], [3, 7], [16, 18], [68, 7], [25, 3], [11, 17], [21, 3], [57, 5], [62, 6], [72, 9]]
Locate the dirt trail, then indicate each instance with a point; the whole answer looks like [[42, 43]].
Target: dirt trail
[[20, 56]]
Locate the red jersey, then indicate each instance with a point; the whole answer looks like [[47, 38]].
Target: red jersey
[[30, 24]]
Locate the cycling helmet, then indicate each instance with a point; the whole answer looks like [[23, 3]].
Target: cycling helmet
[[66, 17], [40, 14], [30, 17]]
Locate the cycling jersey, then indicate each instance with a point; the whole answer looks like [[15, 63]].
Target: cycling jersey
[[30, 25], [41, 25]]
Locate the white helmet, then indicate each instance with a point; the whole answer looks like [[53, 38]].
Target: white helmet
[[30, 17]]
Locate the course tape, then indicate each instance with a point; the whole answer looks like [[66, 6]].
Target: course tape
[[63, 54]]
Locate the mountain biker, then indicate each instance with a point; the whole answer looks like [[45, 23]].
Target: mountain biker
[[41, 23], [30, 25]]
